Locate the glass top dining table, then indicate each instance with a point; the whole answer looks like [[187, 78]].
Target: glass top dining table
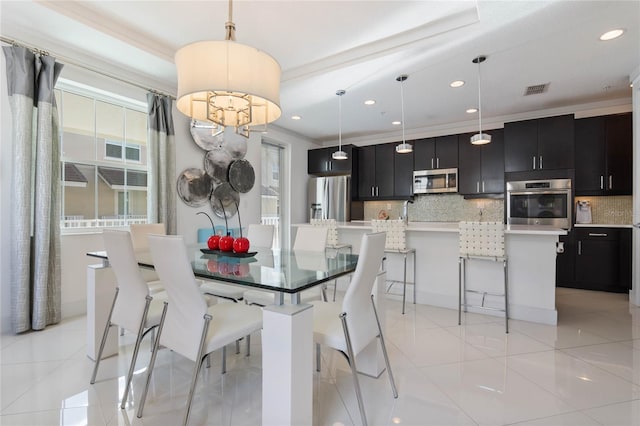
[[280, 271]]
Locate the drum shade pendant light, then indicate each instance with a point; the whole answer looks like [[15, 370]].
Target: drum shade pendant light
[[404, 147], [480, 138], [339, 154], [228, 83]]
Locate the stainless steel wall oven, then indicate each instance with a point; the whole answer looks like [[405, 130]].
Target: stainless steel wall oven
[[540, 202]]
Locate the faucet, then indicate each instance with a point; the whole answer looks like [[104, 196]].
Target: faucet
[[405, 210]]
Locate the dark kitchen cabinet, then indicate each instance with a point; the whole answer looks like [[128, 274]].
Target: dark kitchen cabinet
[[566, 260], [403, 174], [603, 259], [376, 172], [604, 161], [481, 167], [436, 153], [320, 161], [541, 144]]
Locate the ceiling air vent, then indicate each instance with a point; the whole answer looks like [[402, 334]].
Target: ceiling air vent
[[536, 89]]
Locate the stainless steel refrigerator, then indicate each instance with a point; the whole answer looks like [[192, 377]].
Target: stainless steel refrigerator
[[329, 198]]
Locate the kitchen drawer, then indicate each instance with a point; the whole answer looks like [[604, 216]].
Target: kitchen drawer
[[608, 234]]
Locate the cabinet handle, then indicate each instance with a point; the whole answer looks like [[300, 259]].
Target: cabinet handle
[[377, 193], [372, 193], [534, 162], [482, 186], [579, 248], [610, 181], [541, 163], [601, 182], [597, 234], [432, 162], [478, 186], [438, 163]]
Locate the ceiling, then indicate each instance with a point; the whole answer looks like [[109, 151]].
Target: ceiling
[[362, 46]]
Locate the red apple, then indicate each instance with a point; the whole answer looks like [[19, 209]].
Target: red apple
[[213, 242], [241, 245], [226, 243]]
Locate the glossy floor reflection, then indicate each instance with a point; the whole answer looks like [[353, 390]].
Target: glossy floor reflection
[[586, 371]]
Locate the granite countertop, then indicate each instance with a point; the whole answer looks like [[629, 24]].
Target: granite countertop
[[453, 227]]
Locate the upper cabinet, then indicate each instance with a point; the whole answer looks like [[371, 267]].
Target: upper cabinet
[[403, 174], [320, 161], [376, 175], [541, 144], [604, 158], [481, 167], [436, 153]]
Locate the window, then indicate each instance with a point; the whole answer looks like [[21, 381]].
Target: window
[[103, 162], [114, 151], [271, 189]]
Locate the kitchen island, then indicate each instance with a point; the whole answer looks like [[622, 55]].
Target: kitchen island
[[531, 251]]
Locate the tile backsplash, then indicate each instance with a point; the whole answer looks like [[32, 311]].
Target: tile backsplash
[[439, 208], [610, 210]]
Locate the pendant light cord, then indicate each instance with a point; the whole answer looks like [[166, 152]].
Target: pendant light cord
[[402, 107], [229, 25], [340, 122], [479, 100]]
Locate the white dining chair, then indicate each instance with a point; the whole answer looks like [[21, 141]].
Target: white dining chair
[[260, 235], [133, 308], [140, 242], [310, 240], [187, 326], [352, 325]]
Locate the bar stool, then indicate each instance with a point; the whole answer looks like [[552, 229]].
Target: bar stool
[[482, 241], [396, 242], [332, 242]]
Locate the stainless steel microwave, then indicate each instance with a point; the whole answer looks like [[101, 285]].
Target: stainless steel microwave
[[435, 181]]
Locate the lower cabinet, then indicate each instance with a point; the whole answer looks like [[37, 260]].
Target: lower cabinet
[[601, 260]]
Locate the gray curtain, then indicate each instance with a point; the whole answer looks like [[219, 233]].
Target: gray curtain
[[161, 201], [35, 199]]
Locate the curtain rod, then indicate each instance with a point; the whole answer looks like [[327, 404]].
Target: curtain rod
[[85, 67]]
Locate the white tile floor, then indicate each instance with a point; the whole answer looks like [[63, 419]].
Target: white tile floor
[[585, 372]]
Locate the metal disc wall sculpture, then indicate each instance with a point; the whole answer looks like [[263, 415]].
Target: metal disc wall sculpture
[[225, 173]]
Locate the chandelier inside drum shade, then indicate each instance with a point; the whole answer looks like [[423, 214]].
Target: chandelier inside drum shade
[[480, 138], [228, 83]]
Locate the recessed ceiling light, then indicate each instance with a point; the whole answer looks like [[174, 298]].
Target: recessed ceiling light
[[295, 117], [396, 123], [472, 110], [369, 102], [457, 83], [610, 35]]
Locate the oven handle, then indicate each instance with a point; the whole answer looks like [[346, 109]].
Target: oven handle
[[560, 191]]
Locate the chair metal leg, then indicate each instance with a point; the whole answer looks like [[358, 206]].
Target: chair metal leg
[[460, 261], [248, 337], [224, 360], [104, 338], [152, 362], [506, 297], [199, 359], [139, 337], [384, 349], [237, 346], [354, 370], [335, 288], [318, 357], [404, 285]]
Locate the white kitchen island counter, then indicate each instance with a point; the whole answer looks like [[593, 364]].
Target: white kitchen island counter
[[531, 251]]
